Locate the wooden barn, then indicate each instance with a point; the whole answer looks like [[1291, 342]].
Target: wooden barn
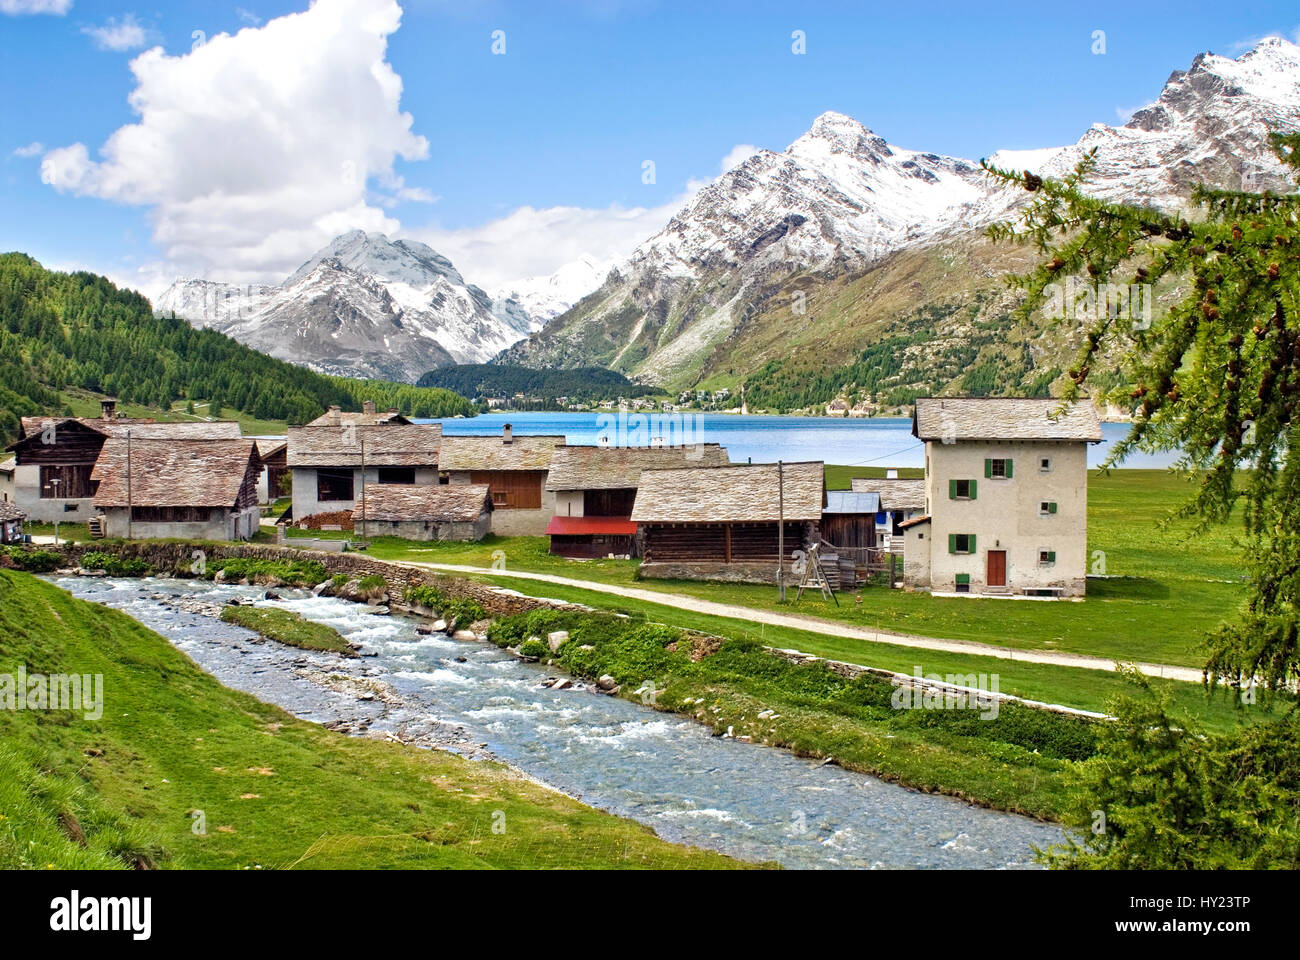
[[849, 519], [722, 523], [515, 468], [178, 488], [595, 490]]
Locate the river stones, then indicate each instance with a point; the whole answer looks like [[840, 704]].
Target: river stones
[[557, 639]]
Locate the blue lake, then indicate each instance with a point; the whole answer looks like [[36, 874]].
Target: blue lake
[[875, 442]]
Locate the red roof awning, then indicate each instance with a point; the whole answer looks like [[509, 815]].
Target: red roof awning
[[579, 526]]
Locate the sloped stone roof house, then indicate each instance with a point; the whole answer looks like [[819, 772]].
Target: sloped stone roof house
[[721, 523], [515, 470], [595, 489], [178, 488], [442, 512], [1006, 490]]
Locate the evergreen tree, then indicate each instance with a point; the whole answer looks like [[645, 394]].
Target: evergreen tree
[[1216, 376]]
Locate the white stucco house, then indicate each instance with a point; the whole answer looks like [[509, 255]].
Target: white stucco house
[[1006, 490]]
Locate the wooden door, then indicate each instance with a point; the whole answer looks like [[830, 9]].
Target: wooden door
[[997, 572]]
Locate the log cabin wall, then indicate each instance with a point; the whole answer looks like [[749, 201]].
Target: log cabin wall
[[720, 543], [849, 529]]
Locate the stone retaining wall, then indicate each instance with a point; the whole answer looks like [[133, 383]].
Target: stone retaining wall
[[177, 557]]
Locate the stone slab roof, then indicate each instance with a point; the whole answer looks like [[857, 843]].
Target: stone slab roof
[[894, 494], [435, 502], [1004, 418], [387, 445], [494, 453], [619, 468], [730, 494], [173, 473]]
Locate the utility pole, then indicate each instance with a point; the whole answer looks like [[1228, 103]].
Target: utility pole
[[363, 487], [130, 509], [55, 483], [780, 529]]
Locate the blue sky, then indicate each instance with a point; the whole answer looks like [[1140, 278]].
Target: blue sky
[[558, 126]]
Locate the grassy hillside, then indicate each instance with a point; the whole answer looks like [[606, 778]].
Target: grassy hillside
[[275, 792], [66, 331]]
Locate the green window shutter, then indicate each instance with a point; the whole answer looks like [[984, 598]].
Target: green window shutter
[[1009, 462], [963, 579], [972, 489], [1051, 507], [952, 489], [952, 543], [972, 544], [988, 467], [1051, 556]]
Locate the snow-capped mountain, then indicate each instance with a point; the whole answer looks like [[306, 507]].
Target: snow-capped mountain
[[841, 198], [549, 296], [363, 306], [1209, 125]]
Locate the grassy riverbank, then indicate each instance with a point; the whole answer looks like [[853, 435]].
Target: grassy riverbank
[[1012, 758], [274, 792], [285, 626]]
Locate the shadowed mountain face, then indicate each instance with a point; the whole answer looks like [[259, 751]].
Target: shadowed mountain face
[[809, 258], [364, 306]]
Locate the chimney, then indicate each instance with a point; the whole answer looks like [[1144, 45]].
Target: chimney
[[335, 416], [507, 434], [108, 408], [368, 407]]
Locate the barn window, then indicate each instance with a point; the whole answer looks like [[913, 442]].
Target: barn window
[[1045, 465], [333, 485], [405, 475]]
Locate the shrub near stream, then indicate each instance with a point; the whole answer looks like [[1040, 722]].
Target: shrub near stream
[[1013, 761]]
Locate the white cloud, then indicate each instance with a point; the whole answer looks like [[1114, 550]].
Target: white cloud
[[33, 149], [532, 242], [118, 35], [17, 7], [254, 150], [247, 16]]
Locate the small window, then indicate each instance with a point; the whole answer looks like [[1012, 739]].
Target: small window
[[400, 475], [1046, 556], [961, 489], [1045, 465], [963, 583], [999, 468], [1046, 508], [961, 543], [499, 498]]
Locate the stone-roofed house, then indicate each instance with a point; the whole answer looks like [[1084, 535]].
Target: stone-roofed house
[[595, 489], [721, 523], [1006, 489], [445, 512], [326, 462], [514, 468], [8, 468], [177, 488], [54, 457]]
